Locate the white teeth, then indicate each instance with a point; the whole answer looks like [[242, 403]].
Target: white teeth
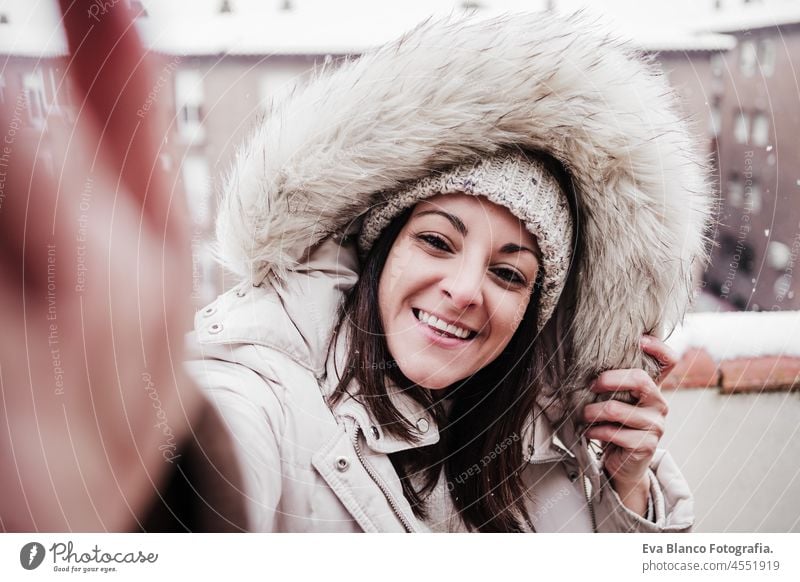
[[454, 330], [439, 324]]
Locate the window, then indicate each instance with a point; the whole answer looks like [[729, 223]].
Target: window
[[741, 127], [715, 118], [760, 133], [189, 104], [734, 247], [56, 93], [717, 64], [197, 182], [783, 287], [33, 86], [767, 57], [752, 196], [779, 255], [735, 192], [748, 58]]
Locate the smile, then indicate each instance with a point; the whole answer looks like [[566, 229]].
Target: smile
[[442, 327]]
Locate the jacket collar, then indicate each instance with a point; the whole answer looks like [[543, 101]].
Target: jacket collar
[[377, 439], [539, 440]]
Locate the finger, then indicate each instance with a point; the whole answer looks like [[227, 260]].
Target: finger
[[636, 441], [665, 355], [113, 76], [634, 380], [627, 415], [28, 209]]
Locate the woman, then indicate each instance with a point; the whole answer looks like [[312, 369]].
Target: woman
[[523, 180]]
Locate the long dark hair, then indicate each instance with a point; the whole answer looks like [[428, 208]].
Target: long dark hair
[[489, 408]]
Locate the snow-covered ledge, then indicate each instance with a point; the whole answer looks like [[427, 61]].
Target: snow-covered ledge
[[738, 351]]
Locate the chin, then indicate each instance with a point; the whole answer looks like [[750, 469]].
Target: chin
[[436, 385], [430, 381]]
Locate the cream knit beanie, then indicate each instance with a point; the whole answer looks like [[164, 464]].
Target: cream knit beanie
[[520, 183]]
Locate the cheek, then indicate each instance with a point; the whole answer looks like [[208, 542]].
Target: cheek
[[392, 281], [395, 271], [510, 314], [384, 306]]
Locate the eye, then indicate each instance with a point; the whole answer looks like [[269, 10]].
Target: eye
[[434, 241], [510, 276], [437, 242]]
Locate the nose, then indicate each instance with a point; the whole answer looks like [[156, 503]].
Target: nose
[[464, 287]]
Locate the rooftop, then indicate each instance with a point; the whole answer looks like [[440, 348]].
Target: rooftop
[[310, 27], [751, 17], [738, 351]]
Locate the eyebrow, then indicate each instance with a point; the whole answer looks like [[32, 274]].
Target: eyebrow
[[459, 225]]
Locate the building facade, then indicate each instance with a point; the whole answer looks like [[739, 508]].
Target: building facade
[[755, 110]]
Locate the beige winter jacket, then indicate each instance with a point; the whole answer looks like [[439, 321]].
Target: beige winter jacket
[[261, 356]]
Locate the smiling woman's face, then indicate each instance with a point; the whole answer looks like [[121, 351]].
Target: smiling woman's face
[[467, 262]]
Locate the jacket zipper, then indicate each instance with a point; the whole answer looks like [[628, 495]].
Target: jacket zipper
[[547, 460], [379, 483], [589, 501], [586, 482]]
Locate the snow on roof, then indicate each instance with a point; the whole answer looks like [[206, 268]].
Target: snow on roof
[[333, 32], [740, 334], [33, 30], [293, 32], [751, 17], [686, 41], [262, 28]]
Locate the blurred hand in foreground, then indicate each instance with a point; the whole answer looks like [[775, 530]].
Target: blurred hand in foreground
[[95, 275]]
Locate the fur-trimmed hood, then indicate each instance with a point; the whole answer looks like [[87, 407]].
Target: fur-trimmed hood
[[455, 88]]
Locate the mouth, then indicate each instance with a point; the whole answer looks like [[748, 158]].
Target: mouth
[[444, 328]]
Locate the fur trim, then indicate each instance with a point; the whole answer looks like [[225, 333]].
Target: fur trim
[[455, 88]]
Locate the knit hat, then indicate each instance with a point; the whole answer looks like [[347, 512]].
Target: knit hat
[[518, 182]]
